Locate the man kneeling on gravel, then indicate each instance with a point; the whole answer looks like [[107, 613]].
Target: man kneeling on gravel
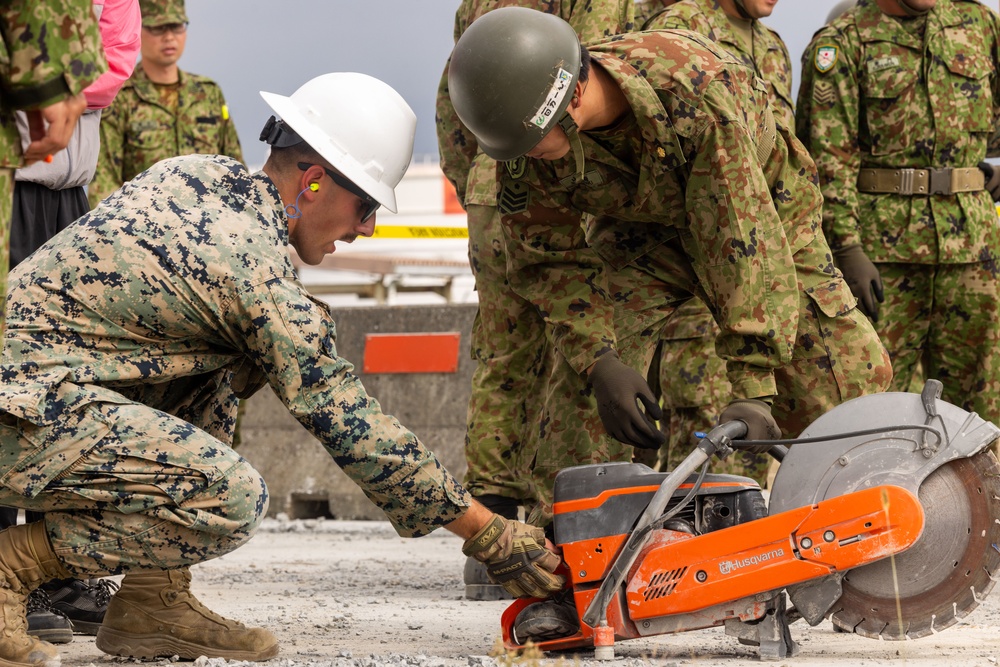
[[131, 335]]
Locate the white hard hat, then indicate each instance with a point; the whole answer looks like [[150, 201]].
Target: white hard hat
[[360, 125]]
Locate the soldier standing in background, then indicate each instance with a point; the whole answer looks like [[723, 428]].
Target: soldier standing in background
[[162, 111], [897, 107], [692, 377], [509, 339], [44, 75]]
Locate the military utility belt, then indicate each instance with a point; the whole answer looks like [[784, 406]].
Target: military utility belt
[[919, 182]]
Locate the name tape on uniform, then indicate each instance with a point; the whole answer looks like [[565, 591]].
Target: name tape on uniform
[[407, 232]]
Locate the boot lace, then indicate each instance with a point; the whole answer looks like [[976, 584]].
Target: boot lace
[[184, 591], [38, 600], [102, 591], [14, 616]]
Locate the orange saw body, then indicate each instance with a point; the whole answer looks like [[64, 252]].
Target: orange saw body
[[889, 531]]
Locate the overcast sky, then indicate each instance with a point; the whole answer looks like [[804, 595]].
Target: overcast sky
[[253, 45]]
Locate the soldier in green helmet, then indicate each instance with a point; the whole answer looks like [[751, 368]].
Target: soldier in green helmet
[[162, 111], [509, 339], [665, 147]]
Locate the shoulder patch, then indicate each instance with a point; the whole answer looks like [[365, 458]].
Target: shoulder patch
[[826, 57]]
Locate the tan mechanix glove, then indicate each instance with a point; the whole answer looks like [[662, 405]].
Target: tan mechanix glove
[[516, 558]]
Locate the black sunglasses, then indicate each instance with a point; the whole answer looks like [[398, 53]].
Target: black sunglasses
[[370, 204], [161, 30]]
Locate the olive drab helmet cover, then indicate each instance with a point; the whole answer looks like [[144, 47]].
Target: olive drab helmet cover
[[512, 77], [357, 123]]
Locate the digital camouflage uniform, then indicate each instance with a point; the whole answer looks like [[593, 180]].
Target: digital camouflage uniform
[[508, 335], [130, 336], [886, 92], [137, 131], [38, 67], [691, 375], [678, 204]]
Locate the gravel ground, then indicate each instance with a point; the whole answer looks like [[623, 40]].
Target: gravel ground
[[354, 594]]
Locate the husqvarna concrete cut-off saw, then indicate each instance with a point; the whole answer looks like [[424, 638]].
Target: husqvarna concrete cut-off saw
[[884, 517]]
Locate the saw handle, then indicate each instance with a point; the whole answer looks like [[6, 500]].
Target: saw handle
[[719, 439]]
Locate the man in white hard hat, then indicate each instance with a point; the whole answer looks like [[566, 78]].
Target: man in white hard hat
[[130, 338]]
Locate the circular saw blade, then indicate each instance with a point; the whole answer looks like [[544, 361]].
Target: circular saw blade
[[946, 574]]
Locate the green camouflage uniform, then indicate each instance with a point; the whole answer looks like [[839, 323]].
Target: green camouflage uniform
[[886, 92], [508, 335], [38, 67], [647, 9], [130, 336], [677, 204], [137, 131], [692, 377]]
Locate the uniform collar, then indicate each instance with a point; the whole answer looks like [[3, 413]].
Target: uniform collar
[[268, 195], [875, 26], [146, 89], [661, 150], [653, 122]]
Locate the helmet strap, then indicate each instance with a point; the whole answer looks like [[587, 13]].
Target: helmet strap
[[572, 131], [909, 10], [276, 133]]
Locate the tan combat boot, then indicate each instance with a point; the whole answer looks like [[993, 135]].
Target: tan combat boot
[[154, 615], [26, 561]]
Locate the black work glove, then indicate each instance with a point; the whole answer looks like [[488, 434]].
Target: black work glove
[[992, 179], [516, 558], [756, 415], [862, 277], [616, 387]]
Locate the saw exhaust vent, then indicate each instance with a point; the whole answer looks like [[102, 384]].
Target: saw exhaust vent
[[663, 583]]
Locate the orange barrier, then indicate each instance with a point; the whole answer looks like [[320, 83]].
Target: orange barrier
[[412, 352]]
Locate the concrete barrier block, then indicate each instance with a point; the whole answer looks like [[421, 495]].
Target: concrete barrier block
[[302, 478]]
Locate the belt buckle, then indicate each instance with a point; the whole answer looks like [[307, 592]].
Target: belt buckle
[[907, 176], [939, 181]]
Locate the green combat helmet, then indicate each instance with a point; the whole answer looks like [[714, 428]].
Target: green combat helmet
[[512, 77]]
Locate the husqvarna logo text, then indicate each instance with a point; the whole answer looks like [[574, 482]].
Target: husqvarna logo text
[[727, 566]]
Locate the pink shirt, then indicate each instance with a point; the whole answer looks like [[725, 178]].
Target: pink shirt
[[120, 24]]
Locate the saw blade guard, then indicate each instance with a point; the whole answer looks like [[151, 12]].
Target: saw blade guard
[[939, 452]]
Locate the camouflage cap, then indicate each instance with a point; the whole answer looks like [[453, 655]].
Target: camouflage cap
[[162, 12]]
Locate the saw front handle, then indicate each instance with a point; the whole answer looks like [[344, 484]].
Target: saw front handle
[[718, 440]]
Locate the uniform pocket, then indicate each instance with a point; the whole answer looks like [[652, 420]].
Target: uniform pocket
[[45, 452], [888, 88], [971, 98], [827, 313]]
